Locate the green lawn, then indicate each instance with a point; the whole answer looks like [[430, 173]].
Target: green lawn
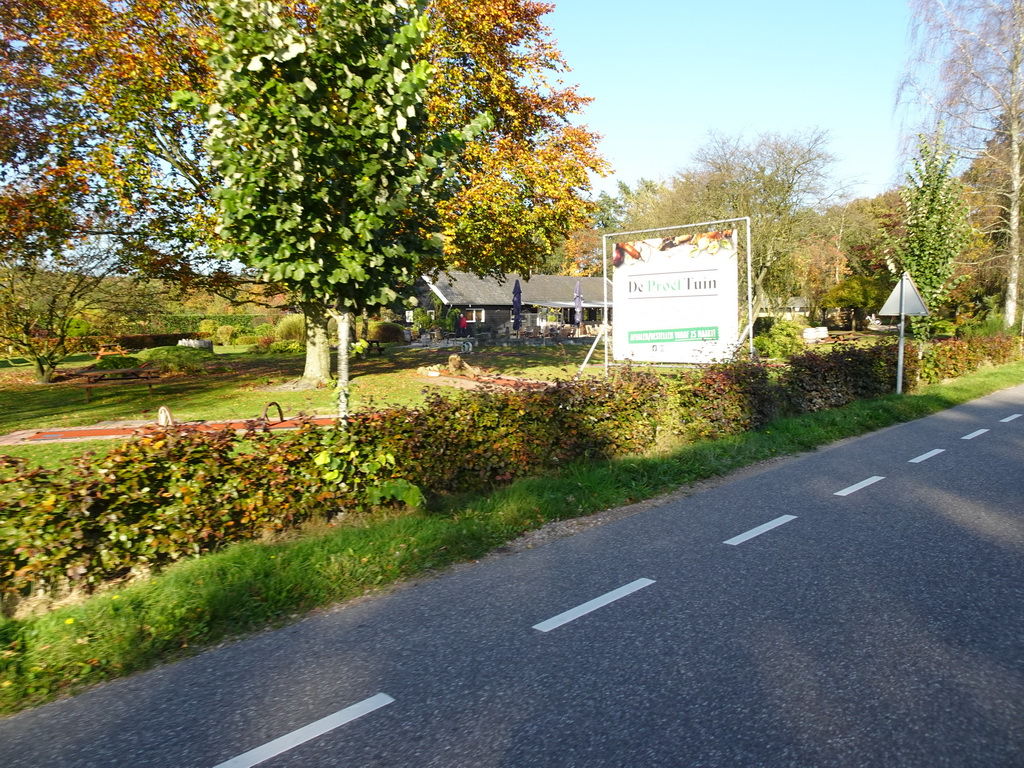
[[239, 385]]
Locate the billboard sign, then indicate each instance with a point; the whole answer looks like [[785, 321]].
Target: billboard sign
[[676, 299]]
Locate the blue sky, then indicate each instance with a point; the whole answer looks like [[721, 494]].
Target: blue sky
[[663, 74]]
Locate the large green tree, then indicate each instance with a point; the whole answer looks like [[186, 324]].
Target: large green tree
[[318, 131], [84, 87]]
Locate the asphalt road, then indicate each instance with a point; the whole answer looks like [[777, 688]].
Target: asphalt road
[[862, 605]]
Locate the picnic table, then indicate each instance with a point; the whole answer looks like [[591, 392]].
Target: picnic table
[[115, 376], [111, 349]]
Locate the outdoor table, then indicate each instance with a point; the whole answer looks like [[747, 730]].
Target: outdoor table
[[102, 378], [111, 349]]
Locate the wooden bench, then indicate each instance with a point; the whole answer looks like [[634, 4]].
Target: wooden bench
[[374, 346], [116, 376]]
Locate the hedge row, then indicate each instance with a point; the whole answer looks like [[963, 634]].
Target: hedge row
[[952, 358], [139, 341], [190, 323], [814, 381], [182, 492], [151, 501], [133, 342]]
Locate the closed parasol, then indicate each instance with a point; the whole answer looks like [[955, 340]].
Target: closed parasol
[[517, 307], [578, 299]]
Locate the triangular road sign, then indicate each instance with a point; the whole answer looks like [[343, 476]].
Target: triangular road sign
[[911, 304]]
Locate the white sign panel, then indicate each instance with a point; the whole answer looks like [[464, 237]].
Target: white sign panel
[[676, 299], [905, 297]]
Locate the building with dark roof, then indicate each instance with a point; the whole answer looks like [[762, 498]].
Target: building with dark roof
[[546, 299]]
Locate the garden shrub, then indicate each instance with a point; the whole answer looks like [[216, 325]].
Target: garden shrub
[[177, 359], [291, 328], [77, 327], [383, 332], [951, 358], [142, 341], [421, 320], [1000, 349], [286, 347], [247, 340], [993, 324], [471, 441], [224, 334], [464, 442], [206, 323], [815, 380], [155, 499], [782, 339]]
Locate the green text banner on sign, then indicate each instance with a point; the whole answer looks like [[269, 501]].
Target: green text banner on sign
[[678, 334]]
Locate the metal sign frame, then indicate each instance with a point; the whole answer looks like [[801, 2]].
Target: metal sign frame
[[748, 331]]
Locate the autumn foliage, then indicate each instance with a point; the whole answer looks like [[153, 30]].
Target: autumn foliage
[[523, 183], [86, 86]]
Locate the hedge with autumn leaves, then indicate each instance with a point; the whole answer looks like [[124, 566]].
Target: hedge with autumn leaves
[[182, 492]]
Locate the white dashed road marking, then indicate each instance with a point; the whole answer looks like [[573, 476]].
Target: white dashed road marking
[[307, 733], [591, 605], [1011, 418], [926, 456], [857, 486], [974, 434], [759, 530]]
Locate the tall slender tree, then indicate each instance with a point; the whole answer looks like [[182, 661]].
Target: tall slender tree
[[936, 228], [329, 186]]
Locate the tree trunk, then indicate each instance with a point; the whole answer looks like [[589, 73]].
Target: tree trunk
[[1015, 137], [318, 346], [344, 329], [44, 370], [1016, 191]]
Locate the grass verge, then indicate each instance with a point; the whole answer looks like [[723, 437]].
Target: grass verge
[[251, 586]]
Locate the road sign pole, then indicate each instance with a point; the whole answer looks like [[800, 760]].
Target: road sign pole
[[904, 300], [903, 322]]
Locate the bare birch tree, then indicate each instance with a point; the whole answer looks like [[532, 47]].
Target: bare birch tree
[[782, 182], [968, 69]]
